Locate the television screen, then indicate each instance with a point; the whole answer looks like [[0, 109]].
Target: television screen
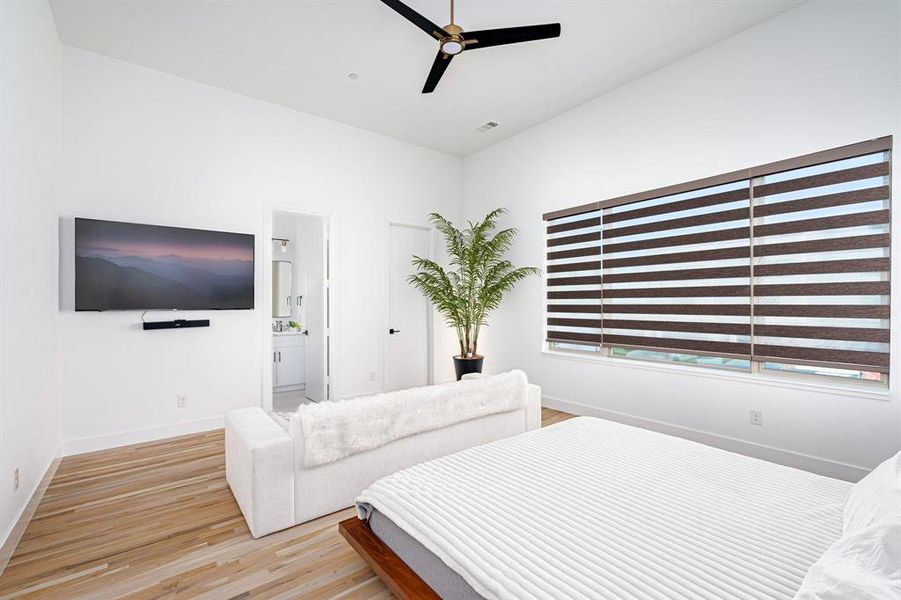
[[128, 266]]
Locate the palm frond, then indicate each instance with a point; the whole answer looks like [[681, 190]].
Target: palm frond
[[478, 276]]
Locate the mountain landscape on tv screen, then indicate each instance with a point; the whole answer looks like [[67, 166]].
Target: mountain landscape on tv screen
[[121, 266]]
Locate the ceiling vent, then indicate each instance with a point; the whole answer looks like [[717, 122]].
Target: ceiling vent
[[486, 127]]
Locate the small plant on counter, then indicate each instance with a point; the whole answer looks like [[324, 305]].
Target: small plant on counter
[[293, 324]]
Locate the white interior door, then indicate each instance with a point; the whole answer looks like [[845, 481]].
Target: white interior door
[[312, 236], [407, 359]]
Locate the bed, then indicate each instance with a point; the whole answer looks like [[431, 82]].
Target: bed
[[590, 508]]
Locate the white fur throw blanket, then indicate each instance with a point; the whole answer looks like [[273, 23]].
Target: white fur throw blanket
[[335, 430]]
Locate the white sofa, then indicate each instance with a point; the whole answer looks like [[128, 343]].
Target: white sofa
[[266, 470]]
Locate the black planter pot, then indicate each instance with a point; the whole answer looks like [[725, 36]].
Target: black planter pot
[[468, 365]]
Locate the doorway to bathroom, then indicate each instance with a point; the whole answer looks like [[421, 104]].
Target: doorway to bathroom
[[300, 299]]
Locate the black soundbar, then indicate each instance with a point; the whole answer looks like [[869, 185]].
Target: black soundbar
[[176, 324]]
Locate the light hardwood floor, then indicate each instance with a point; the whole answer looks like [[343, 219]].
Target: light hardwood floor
[[157, 520]]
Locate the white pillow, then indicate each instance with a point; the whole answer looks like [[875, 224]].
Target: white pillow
[[873, 497], [863, 566]]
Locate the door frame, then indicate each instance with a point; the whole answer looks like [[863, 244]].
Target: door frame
[[386, 318], [329, 363]]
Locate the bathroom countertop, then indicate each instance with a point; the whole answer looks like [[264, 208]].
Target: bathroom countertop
[[281, 333]]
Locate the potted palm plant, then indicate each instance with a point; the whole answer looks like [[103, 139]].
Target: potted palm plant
[[474, 283]]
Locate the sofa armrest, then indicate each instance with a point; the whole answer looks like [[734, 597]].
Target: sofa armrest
[[259, 467], [533, 407]]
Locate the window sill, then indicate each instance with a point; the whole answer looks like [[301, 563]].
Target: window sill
[[873, 392]]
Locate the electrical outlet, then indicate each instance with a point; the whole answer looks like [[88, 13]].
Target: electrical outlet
[[372, 376], [756, 417], [182, 401], [16, 479]]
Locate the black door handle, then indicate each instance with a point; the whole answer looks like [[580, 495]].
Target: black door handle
[[306, 332], [393, 331]]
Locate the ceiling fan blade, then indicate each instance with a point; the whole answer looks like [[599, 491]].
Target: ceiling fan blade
[[442, 60], [509, 35], [417, 19]]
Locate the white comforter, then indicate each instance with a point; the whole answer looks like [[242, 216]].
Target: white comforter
[[594, 509]]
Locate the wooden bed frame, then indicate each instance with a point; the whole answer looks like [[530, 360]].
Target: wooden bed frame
[[397, 575]]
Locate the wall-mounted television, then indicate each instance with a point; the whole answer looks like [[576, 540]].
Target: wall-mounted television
[[130, 266]]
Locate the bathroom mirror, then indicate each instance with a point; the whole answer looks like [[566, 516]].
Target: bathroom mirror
[[281, 289]]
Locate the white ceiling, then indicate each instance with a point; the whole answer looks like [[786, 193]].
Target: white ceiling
[[298, 54]]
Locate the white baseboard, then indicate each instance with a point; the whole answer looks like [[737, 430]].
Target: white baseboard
[[814, 464], [11, 539], [136, 436]]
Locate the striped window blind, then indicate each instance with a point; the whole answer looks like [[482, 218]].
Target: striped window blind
[[574, 278], [787, 263], [821, 264]]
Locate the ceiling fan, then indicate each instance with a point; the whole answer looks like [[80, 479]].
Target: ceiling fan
[[453, 40]]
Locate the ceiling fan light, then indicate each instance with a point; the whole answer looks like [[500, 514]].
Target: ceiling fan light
[[451, 47]]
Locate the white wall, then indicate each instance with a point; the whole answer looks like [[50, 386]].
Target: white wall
[[30, 130], [142, 146], [822, 75]]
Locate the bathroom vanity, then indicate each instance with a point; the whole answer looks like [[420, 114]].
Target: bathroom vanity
[[288, 360]]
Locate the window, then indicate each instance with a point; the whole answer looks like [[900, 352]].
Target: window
[[782, 268], [874, 376]]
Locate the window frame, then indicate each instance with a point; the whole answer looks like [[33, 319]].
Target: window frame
[[757, 372], [796, 381]]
